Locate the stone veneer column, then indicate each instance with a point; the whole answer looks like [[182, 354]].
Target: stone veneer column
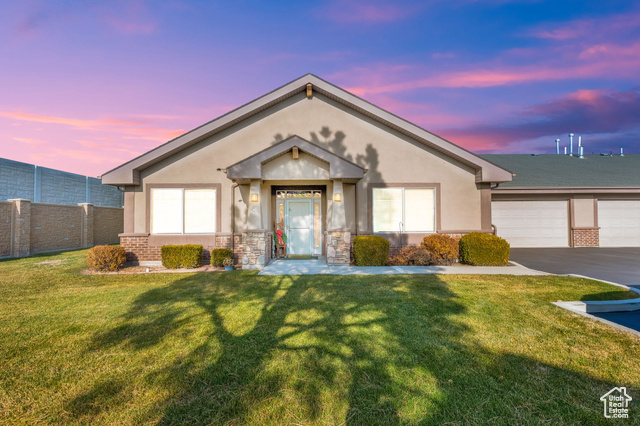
[[87, 224], [21, 228], [338, 247], [338, 238], [254, 249]]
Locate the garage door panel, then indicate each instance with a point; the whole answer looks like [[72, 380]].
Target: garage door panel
[[532, 223], [619, 222]]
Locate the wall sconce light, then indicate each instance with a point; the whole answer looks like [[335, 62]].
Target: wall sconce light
[[337, 197], [254, 198]]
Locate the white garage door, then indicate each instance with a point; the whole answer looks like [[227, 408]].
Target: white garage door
[[532, 223], [619, 223]]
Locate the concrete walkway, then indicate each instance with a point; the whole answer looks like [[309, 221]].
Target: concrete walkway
[[319, 267]]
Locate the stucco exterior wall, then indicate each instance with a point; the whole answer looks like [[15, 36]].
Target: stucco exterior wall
[[389, 156], [584, 211]]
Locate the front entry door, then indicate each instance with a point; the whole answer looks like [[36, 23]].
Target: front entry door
[[299, 226]]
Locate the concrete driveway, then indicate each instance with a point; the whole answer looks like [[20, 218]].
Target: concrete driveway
[[618, 265]]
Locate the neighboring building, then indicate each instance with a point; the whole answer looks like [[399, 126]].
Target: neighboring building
[[45, 185], [567, 201], [326, 165]]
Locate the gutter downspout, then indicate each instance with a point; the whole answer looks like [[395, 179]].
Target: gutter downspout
[[495, 230], [233, 217]]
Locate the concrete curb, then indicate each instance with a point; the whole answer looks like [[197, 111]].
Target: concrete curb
[[602, 306], [566, 305]]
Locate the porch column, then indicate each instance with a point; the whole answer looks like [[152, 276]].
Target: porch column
[[338, 215], [338, 238], [256, 246], [254, 214]]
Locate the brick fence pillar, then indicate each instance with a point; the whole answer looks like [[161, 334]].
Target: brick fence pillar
[[21, 228], [87, 224]]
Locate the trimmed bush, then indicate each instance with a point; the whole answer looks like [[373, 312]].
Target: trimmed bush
[[370, 250], [219, 255], [181, 256], [106, 258], [482, 249], [412, 256], [443, 248]]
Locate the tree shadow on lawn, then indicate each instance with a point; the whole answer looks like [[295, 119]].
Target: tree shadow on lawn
[[354, 350]]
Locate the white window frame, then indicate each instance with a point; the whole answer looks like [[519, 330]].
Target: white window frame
[[402, 224], [182, 216]]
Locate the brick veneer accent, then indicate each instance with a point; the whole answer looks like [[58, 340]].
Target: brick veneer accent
[[139, 251], [586, 237], [339, 245]]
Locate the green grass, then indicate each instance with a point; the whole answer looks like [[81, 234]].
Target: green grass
[[237, 348]]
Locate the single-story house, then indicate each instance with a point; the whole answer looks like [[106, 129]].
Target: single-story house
[[318, 162]]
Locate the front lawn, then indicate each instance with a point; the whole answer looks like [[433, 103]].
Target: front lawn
[[237, 348]]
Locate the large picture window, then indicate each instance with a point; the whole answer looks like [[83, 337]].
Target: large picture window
[[183, 211], [404, 210]]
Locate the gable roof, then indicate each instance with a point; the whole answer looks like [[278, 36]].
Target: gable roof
[[565, 171], [251, 167], [128, 173]]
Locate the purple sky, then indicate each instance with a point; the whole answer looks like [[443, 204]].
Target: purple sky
[[88, 85]]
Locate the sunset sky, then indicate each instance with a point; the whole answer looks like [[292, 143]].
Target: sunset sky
[[88, 85]]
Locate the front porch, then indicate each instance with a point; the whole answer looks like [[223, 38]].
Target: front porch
[[300, 190]]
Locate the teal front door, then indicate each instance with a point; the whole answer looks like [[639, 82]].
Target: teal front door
[[299, 226]]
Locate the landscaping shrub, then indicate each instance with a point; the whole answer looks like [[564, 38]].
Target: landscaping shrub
[[443, 248], [181, 256], [412, 256], [482, 249], [106, 258], [219, 255], [370, 250]]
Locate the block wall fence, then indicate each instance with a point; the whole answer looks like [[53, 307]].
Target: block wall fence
[[44, 185], [27, 228]]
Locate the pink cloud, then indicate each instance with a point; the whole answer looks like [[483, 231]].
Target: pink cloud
[[591, 61], [137, 129], [83, 124], [585, 112], [369, 12], [123, 16], [129, 17], [30, 141], [444, 55], [602, 28]]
